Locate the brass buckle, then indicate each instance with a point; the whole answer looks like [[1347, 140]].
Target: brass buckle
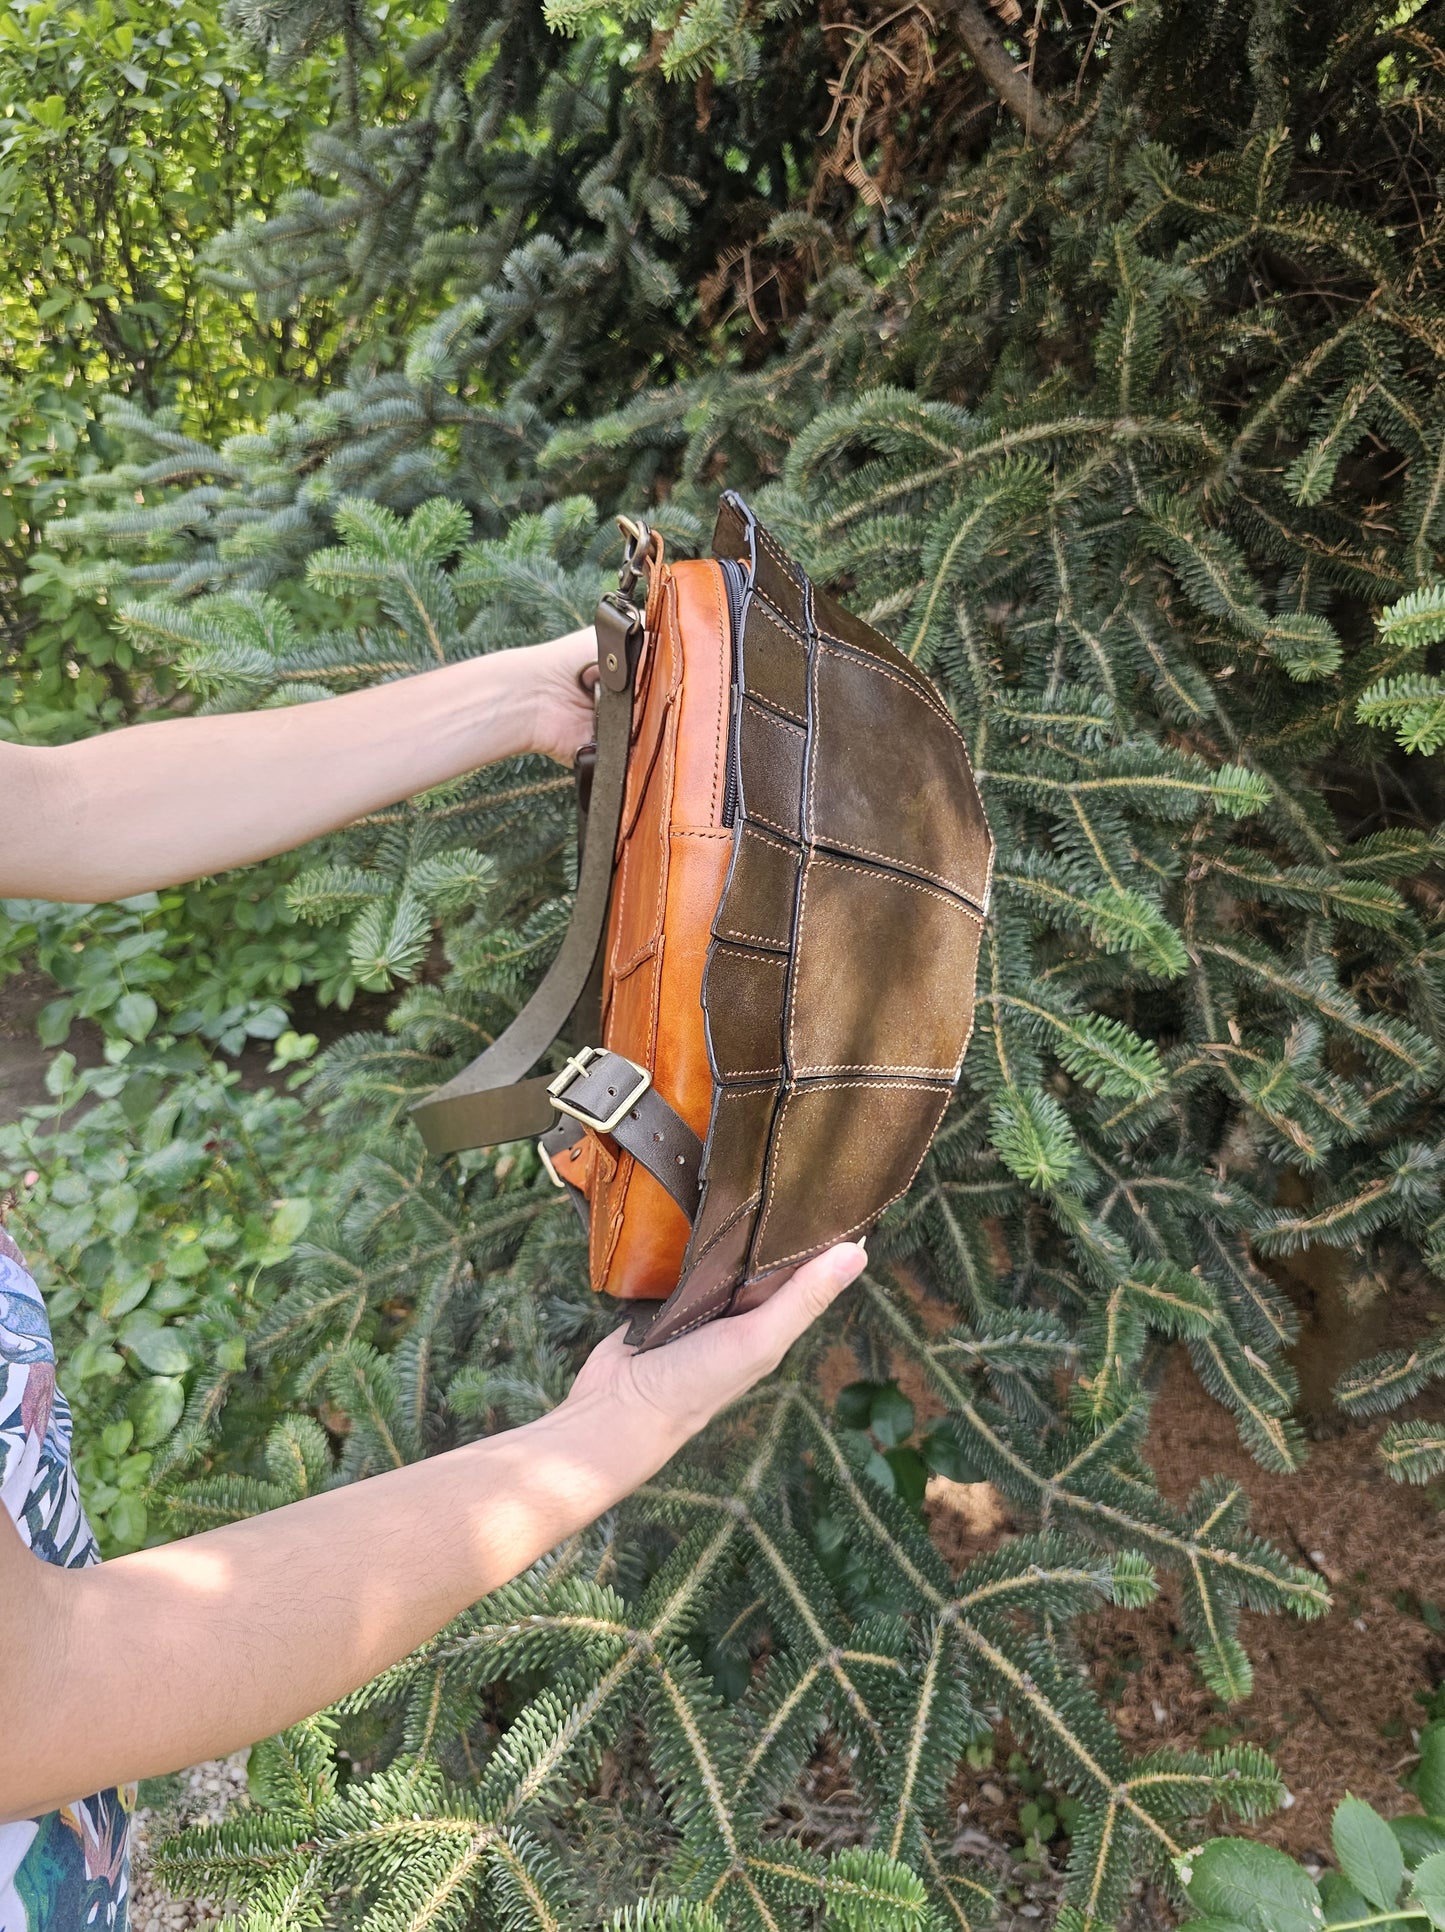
[[576, 1066]]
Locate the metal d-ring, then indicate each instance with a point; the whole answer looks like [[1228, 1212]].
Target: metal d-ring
[[640, 541]]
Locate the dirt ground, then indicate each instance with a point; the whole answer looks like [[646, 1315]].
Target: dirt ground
[[1334, 1701], [22, 1058]]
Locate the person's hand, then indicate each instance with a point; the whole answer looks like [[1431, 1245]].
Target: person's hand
[[662, 1397], [563, 673]]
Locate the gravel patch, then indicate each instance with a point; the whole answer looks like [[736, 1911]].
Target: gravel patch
[[200, 1796]]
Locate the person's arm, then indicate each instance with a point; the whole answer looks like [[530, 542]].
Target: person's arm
[[173, 1655], [155, 804]]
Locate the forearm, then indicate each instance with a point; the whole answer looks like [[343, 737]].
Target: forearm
[[177, 1654], [155, 804]]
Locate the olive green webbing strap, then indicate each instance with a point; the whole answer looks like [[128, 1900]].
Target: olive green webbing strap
[[492, 1099]]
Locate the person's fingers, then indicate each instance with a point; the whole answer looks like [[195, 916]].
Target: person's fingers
[[804, 1296]]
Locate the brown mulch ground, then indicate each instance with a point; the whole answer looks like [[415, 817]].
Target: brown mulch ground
[[1334, 1701]]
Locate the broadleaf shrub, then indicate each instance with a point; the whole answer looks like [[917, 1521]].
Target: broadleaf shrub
[[1388, 1872], [145, 1196]]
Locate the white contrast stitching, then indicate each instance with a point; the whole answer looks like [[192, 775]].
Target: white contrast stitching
[[782, 724], [775, 958], [959, 904], [772, 824], [731, 1222], [782, 616], [808, 1072], [774, 705], [907, 865], [797, 948], [855, 656], [724, 1294], [839, 647], [784, 563], [817, 1248], [720, 604], [902, 1086], [763, 939]]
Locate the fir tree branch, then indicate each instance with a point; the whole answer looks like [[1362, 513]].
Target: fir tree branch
[[1035, 114]]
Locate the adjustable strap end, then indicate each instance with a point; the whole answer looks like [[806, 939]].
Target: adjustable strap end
[[619, 628]]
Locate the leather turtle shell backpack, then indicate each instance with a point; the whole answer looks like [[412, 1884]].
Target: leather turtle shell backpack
[[770, 966]]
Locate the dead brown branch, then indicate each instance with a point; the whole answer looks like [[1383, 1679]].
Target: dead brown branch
[[1033, 111]]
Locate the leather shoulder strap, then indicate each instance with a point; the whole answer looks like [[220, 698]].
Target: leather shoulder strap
[[492, 1099]]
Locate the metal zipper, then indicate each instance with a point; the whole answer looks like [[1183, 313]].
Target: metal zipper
[[735, 582]]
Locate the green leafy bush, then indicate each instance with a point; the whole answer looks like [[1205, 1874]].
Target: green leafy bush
[[145, 1196], [215, 961], [1389, 1873]]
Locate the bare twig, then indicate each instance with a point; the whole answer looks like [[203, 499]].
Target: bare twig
[[1031, 109]]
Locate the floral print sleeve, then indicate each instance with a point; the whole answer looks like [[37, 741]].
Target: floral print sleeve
[[65, 1871]]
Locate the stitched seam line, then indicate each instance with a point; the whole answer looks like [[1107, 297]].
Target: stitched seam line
[[780, 1119], [674, 612], [715, 1302], [911, 885], [792, 959], [780, 724], [772, 824], [902, 865], [775, 704], [791, 838], [868, 1219], [763, 938], [608, 1224], [776, 610], [785, 623], [789, 636], [786, 566], [900, 1086], [874, 1066], [668, 776], [781, 1122], [836, 647], [615, 936], [835, 1086], [667, 754], [731, 1222]]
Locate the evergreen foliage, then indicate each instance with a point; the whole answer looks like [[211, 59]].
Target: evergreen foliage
[[1127, 433]]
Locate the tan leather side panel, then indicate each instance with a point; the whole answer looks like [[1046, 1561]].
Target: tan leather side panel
[[672, 860]]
